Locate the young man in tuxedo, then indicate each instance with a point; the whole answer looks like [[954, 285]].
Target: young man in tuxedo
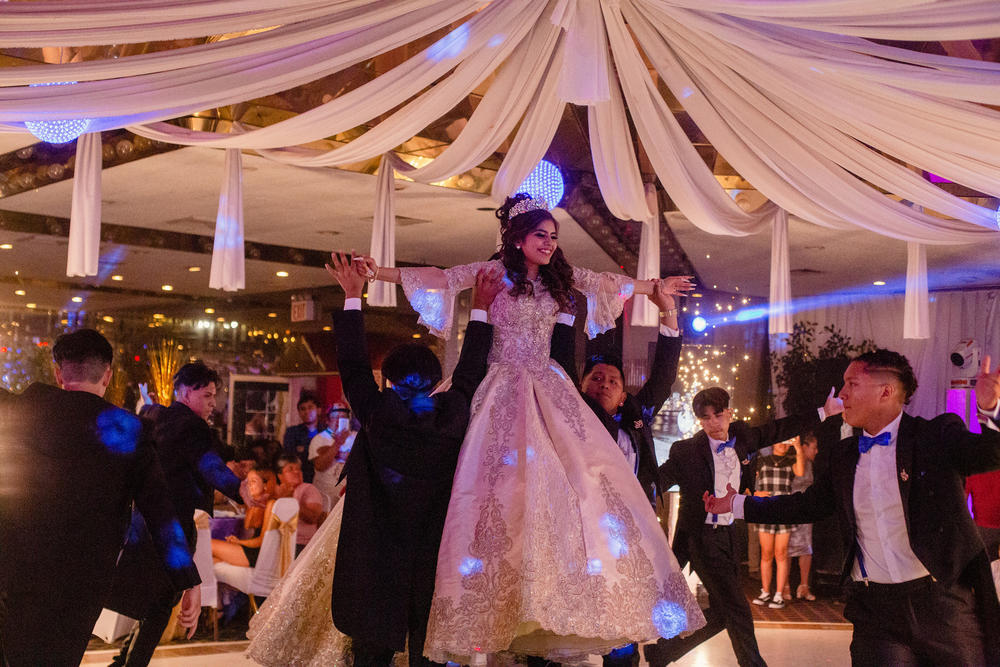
[[399, 475], [71, 465], [922, 592], [185, 444], [716, 457]]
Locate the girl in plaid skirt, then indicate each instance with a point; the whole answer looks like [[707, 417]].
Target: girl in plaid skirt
[[774, 478]]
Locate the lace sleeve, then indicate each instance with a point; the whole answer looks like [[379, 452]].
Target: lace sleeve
[[606, 296], [431, 292]]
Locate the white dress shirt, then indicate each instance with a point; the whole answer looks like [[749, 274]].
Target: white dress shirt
[[475, 315], [727, 471], [878, 511]]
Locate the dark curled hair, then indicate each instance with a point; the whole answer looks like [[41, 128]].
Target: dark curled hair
[[887, 361], [557, 275], [716, 398]]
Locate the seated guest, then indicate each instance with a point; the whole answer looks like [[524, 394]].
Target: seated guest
[[71, 466], [308, 496], [260, 498], [328, 450], [297, 438]]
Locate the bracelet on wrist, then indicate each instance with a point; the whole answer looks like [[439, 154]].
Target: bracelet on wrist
[[670, 312]]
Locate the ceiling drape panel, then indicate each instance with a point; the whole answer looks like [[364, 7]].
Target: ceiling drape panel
[[779, 318], [228, 257], [586, 69], [85, 216], [644, 312], [383, 246], [916, 320]]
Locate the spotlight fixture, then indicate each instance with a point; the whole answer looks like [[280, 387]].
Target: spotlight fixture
[[167, 288], [879, 283], [272, 314], [281, 274], [699, 324], [19, 292], [6, 246], [77, 299], [118, 278], [194, 269], [31, 305], [209, 311]]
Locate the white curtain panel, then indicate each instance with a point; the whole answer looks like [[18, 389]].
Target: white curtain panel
[[85, 216], [953, 316], [644, 312], [916, 318], [228, 257], [383, 247], [779, 320]]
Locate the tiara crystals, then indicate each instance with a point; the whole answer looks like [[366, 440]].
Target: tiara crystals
[[528, 204]]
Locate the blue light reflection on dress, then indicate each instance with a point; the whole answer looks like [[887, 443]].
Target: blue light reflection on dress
[[615, 532], [669, 619], [470, 566], [594, 566]]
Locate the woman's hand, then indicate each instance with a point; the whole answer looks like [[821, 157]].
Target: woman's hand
[[676, 285], [489, 282], [232, 539], [365, 265]]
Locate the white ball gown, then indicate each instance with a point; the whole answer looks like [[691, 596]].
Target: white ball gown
[[550, 547]]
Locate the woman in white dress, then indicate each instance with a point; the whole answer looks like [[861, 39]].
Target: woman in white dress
[[550, 547]]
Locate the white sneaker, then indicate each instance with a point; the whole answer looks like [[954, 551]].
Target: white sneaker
[[777, 603], [762, 599]]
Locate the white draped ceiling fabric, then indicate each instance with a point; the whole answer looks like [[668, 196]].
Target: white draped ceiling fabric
[[792, 94]]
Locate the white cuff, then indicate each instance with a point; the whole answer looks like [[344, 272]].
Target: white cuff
[[738, 505], [477, 315], [822, 414], [566, 318], [354, 303], [667, 331], [992, 414]]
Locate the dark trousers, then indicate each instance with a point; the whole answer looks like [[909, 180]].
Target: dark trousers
[[920, 622], [49, 628], [140, 644], [715, 557]]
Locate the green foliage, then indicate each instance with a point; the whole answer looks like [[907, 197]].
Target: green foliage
[[807, 375]]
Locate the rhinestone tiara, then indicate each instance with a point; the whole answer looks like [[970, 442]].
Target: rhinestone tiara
[[528, 204]]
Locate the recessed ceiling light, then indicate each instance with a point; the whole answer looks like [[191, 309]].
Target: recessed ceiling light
[[272, 314], [31, 305], [20, 292], [329, 328], [167, 288], [416, 335], [282, 274], [159, 316], [6, 246], [77, 299], [220, 319], [108, 318], [879, 283], [696, 295], [118, 277], [194, 269], [210, 310]]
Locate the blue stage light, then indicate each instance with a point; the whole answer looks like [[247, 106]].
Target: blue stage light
[[57, 131], [699, 324], [545, 182]]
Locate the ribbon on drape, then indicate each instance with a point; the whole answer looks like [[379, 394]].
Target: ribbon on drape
[[383, 248], [644, 312], [916, 315], [85, 216], [286, 545], [779, 320], [228, 259]]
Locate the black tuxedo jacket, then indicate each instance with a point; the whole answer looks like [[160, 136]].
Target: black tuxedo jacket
[[932, 458], [638, 411], [185, 446], [399, 476], [72, 466], [692, 467]]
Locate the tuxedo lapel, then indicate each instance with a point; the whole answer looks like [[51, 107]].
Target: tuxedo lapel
[[904, 462]]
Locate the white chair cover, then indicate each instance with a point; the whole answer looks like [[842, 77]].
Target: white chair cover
[[277, 551], [203, 560]]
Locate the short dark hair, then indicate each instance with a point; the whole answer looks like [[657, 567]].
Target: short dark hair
[[413, 366], [716, 398], [82, 356], [286, 459], [306, 397], [886, 361], [195, 375], [608, 358]]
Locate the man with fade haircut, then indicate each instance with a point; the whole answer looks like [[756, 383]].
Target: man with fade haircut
[[71, 465], [921, 590]]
